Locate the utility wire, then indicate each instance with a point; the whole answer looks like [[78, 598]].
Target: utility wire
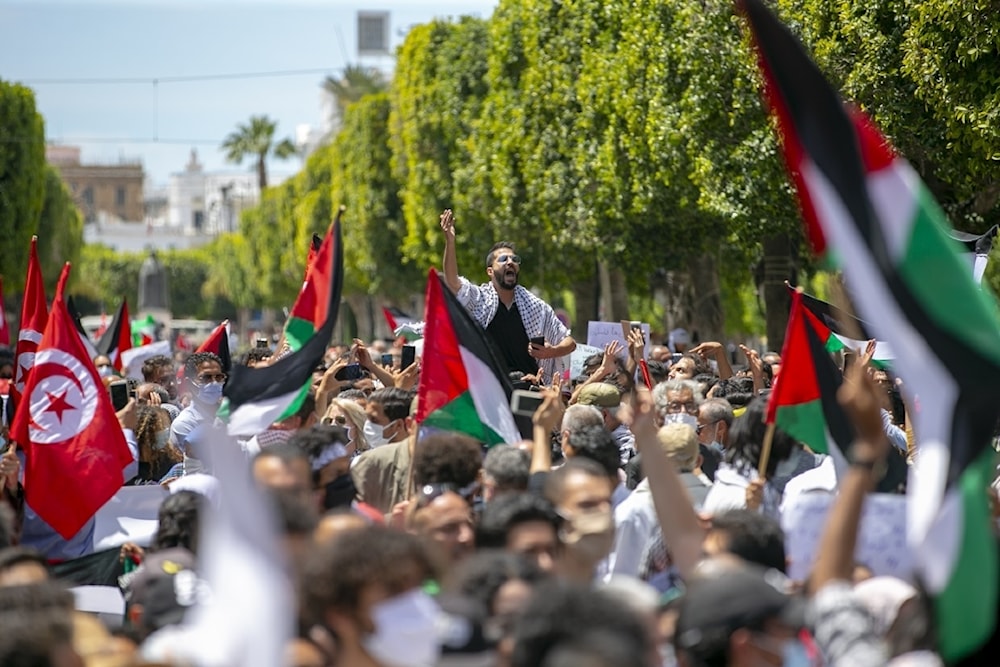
[[86, 81]]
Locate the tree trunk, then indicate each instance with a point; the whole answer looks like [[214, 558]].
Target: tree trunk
[[707, 320], [585, 296], [362, 315], [262, 173], [779, 266], [618, 295]]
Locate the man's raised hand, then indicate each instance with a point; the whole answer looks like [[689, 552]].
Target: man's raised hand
[[448, 223]]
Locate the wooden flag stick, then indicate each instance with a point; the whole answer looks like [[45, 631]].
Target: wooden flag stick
[[765, 450]]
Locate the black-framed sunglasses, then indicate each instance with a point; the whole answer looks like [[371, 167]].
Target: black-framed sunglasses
[[503, 259]]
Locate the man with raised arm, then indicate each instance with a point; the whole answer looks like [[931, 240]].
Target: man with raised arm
[[512, 316]]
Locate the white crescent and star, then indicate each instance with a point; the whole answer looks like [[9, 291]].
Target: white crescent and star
[[25, 359], [63, 401]]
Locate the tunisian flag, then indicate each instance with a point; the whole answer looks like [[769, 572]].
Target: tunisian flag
[[34, 315], [74, 448], [4, 329]]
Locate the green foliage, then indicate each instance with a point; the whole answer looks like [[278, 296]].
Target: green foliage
[[106, 276], [355, 82], [363, 182], [22, 179], [437, 92], [60, 231], [256, 140]]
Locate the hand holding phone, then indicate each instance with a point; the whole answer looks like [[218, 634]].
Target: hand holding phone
[[349, 372], [524, 402], [409, 356]]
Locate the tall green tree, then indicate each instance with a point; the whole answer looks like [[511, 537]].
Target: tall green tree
[[22, 178], [437, 93], [60, 230], [256, 140], [355, 82]]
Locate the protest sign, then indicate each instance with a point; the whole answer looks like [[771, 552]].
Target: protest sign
[[881, 539], [600, 334]]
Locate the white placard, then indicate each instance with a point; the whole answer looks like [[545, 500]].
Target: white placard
[[578, 356], [881, 543], [600, 334], [130, 516]]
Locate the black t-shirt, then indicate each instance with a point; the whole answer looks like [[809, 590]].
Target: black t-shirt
[[507, 331]]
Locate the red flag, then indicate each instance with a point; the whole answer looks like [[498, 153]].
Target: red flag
[[218, 344], [74, 448], [103, 327], [118, 337], [34, 316], [4, 329]]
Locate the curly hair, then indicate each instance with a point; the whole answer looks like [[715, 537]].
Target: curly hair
[[335, 574], [447, 458], [197, 359], [148, 419], [179, 520], [481, 576]]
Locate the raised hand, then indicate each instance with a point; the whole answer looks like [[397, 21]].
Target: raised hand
[[609, 364], [549, 413], [448, 223], [860, 397], [636, 344]]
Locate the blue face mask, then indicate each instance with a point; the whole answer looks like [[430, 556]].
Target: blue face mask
[[794, 654], [210, 394]]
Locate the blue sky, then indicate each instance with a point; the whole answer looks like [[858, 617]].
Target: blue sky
[[72, 39]]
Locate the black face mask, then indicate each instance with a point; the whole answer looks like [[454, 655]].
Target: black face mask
[[340, 492]]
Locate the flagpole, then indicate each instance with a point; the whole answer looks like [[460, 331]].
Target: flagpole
[[765, 450]]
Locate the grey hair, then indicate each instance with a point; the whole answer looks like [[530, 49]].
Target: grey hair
[[718, 409], [508, 467], [580, 416], [660, 392]]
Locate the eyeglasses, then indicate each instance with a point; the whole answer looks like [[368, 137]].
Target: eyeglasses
[[430, 492], [205, 378], [689, 407], [503, 259], [701, 427], [339, 420]]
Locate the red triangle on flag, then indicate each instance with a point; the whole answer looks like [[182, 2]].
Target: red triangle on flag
[[74, 448]]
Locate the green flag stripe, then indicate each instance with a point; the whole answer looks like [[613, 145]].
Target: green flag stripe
[[805, 423], [966, 617], [298, 331], [934, 271], [460, 415]]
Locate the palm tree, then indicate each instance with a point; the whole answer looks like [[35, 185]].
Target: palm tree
[[256, 139], [355, 82]]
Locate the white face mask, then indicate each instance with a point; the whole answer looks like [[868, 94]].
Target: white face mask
[[375, 433], [105, 371], [210, 394], [681, 418], [406, 631]]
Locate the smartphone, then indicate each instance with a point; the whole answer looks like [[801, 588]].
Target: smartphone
[[635, 325], [387, 360], [119, 394], [262, 344], [524, 403], [349, 372], [538, 340], [409, 356]]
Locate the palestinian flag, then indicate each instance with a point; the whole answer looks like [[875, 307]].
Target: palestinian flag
[[218, 344], [255, 398], [463, 385], [804, 400], [402, 324], [314, 245], [839, 330], [977, 249], [118, 337], [906, 277], [78, 323], [311, 307]]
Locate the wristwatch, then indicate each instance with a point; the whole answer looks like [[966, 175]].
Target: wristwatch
[[877, 467]]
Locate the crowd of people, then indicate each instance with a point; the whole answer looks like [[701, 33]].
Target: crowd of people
[[633, 525]]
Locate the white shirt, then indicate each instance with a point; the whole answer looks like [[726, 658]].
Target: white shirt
[[635, 521]]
